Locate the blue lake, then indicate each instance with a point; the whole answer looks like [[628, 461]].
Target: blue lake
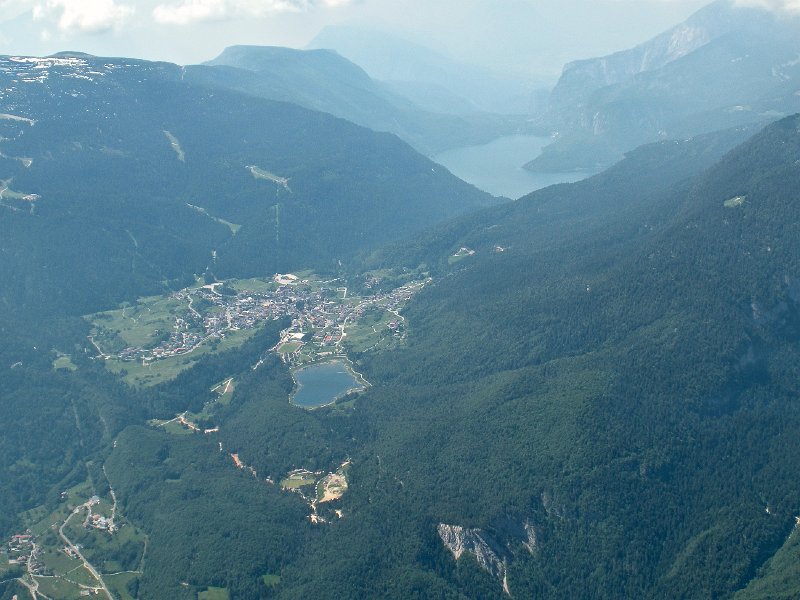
[[323, 383], [496, 167]]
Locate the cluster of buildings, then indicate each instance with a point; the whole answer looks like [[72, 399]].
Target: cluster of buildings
[[99, 522], [21, 550], [324, 323], [96, 521], [317, 310]]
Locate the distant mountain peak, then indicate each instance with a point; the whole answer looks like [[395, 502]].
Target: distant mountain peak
[[276, 60], [707, 24], [416, 69], [726, 65], [240, 52], [72, 54]]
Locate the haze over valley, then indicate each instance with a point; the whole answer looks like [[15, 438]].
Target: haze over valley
[[399, 300]]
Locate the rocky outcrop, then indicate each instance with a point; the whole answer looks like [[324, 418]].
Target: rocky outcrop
[[473, 541], [506, 538], [727, 66], [531, 542], [580, 79]]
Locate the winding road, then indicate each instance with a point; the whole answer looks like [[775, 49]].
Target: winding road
[[86, 564]]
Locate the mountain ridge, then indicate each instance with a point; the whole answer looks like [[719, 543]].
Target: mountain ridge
[[735, 68], [144, 148], [324, 80], [624, 380], [414, 70]]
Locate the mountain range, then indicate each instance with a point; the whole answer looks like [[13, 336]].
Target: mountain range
[[610, 370], [426, 77], [726, 65], [591, 392], [325, 81], [153, 178], [597, 401]]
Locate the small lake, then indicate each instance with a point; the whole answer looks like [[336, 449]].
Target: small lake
[[496, 167], [321, 384]]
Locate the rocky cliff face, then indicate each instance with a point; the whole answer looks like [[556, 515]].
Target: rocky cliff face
[[531, 541], [724, 67], [580, 79], [459, 540], [494, 549]]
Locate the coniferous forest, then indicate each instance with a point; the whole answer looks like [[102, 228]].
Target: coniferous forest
[[592, 392]]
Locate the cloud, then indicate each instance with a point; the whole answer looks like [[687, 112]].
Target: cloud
[[779, 6], [190, 11], [86, 16], [14, 5]]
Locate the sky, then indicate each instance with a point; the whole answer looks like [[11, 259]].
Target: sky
[[526, 37]]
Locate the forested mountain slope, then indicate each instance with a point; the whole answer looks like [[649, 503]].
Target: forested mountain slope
[[118, 178], [627, 391], [596, 397], [323, 80]]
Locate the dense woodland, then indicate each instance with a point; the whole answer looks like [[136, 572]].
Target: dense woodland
[[127, 214], [616, 366], [631, 391]]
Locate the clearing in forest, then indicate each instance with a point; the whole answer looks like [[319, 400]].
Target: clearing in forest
[[176, 146], [260, 173]]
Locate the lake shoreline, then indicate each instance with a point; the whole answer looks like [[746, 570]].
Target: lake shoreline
[[497, 167], [361, 381]]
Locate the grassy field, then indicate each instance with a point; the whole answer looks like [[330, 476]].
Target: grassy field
[[118, 584], [306, 356], [289, 347], [460, 255], [307, 274], [68, 569], [206, 413], [140, 325], [734, 202], [64, 361], [55, 518], [371, 332], [260, 173], [213, 593], [224, 391], [61, 564], [176, 146], [7, 192], [298, 480], [34, 516], [103, 549], [80, 493], [152, 373], [271, 580], [54, 587], [171, 426], [164, 369], [257, 284], [234, 227]]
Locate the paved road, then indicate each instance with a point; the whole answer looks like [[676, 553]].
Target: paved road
[[77, 552]]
